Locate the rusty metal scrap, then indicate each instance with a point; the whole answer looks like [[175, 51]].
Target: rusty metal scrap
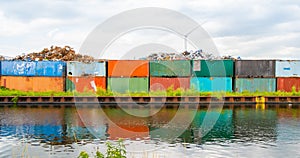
[[56, 53]]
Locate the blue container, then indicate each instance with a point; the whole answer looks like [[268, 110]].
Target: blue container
[[86, 69], [211, 84], [51, 68], [18, 68]]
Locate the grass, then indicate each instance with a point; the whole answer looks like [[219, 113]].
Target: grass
[[168, 92]]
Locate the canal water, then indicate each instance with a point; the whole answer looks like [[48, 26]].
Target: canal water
[[150, 132]]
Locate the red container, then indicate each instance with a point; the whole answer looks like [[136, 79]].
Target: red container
[[88, 83], [163, 83], [286, 84], [128, 68]]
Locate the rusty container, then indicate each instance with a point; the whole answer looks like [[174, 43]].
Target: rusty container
[[128, 68], [85, 83], [255, 68], [163, 83], [37, 84], [286, 84]]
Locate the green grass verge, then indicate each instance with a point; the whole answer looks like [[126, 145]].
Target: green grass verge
[[168, 92]]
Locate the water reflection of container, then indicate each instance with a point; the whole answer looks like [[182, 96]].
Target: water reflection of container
[[40, 123], [255, 125], [170, 68], [163, 83], [126, 125], [38, 84], [172, 124], [212, 68], [128, 84], [287, 83], [211, 84], [214, 124], [128, 68], [85, 123], [85, 83], [255, 84]]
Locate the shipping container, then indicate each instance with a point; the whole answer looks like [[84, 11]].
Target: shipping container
[[255, 84], [37, 84], [286, 84], [163, 83], [128, 68], [85, 83], [255, 68], [287, 68], [212, 68], [44, 84], [211, 84], [78, 69], [18, 68], [128, 84], [50, 68], [170, 68]]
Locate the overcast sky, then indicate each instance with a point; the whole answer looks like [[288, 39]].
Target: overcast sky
[[257, 29]]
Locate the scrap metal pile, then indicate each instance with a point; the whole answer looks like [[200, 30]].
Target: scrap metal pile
[[197, 55], [55, 54]]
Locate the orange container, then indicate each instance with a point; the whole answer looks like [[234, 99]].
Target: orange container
[[128, 68], [37, 84], [44, 84], [163, 83], [85, 83]]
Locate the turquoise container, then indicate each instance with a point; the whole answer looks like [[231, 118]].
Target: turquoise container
[[211, 84], [255, 84]]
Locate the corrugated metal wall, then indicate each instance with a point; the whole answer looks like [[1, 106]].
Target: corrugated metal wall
[[170, 68], [128, 84], [255, 84], [163, 83], [128, 68], [37, 84], [51, 68], [85, 83], [211, 84], [18, 68], [286, 83], [212, 68], [287, 68], [255, 68], [86, 69]]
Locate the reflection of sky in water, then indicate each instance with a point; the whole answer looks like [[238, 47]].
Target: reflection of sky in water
[[238, 132]]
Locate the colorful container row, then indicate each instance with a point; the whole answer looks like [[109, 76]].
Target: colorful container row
[[144, 68], [144, 84]]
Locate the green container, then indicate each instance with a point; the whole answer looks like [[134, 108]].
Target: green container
[[170, 68], [255, 84], [212, 68], [123, 85], [70, 86]]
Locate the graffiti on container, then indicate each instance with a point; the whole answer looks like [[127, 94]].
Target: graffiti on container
[[23, 68]]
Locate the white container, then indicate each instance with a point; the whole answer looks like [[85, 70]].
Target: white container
[[287, 68]]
